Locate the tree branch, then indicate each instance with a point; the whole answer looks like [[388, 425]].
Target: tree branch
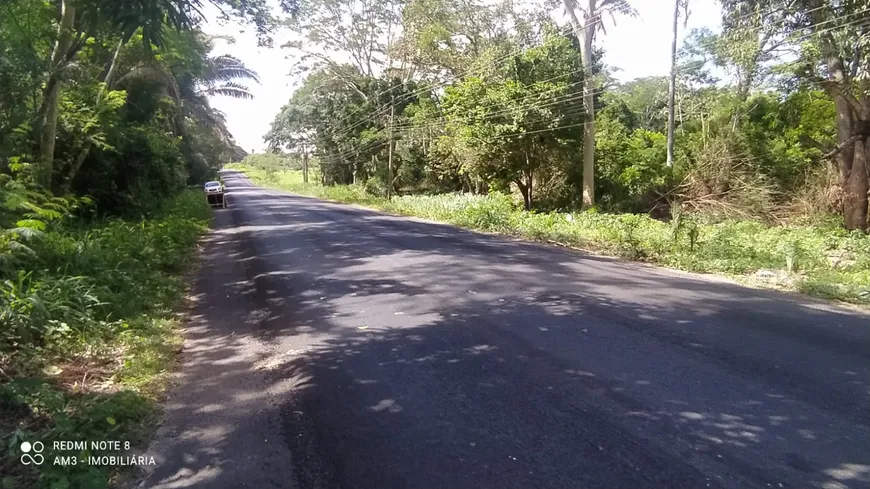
[[852, 139], [837, 90]]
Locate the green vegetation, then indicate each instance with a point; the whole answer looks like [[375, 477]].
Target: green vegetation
[[488, 115], [524, 104], [765, 169], [91, 333], [105, 121], [825, 261]]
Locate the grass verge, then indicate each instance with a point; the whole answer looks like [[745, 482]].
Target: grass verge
[[824, 260], [90, 337]]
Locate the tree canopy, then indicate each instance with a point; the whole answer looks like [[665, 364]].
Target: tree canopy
[[487, 96], [111, 99]]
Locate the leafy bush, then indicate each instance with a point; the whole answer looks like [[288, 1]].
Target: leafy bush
[[91, 304], [82, 276]]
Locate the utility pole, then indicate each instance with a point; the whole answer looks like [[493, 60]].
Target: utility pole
[[589, 105], [304, 165], [390, 152]]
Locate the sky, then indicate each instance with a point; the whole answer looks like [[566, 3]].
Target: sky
[[638, 46]]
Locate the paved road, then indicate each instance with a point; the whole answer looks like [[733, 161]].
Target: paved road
[[336, 347]]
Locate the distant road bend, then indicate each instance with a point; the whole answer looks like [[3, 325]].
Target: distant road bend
[[336, 347]]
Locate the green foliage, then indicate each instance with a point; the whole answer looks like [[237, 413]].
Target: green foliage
[[77, 417], [273, 163], [96, 296], [104, 120], [632, 174], [134, 122], [25, 33], [514, 125]]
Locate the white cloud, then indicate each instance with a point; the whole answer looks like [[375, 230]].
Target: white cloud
[[639, 46]]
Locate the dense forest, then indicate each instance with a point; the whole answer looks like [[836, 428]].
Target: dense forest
[[768, 115], [111, 101]]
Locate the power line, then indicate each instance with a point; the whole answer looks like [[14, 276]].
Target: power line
[[568, 28], [408, 128], [380, 112], [490, 63]]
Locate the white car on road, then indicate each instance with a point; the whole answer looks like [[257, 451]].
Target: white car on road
[[214, 193]]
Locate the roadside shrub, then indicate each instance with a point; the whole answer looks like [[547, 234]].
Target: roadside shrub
[[490, 213], [37, 311], [90, 334]]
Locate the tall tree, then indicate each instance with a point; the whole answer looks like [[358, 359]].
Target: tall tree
[[513, 140], [672, 87], [831, 40], [586, 18], [79, 20], [358, 30], [441, 39], [62, 54], [77, 23], [747, 45]]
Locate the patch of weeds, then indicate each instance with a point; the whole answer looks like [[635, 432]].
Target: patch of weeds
[[629, 245], [53, 414], [791, 251], [149, 347], [94, 337]]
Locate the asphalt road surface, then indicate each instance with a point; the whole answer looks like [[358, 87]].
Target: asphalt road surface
[[336, 347]]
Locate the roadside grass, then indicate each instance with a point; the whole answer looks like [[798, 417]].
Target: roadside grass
[[821, 260], [90, 338]]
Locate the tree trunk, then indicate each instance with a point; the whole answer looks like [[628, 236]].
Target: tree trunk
[[856, 187], [853, 118], [51, 95], [589, 104], [703, 132], [528, 174], [852, 159], [530, 183], [525, 191], [672, 87], [852, 164], [845, 125], [744, 84]]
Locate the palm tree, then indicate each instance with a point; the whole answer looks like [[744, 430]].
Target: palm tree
[[150, 17], [217, 76], [221, 74], [224, 76]]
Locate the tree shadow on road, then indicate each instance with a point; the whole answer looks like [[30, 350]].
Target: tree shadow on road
[[522, 395], [388, 354]]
